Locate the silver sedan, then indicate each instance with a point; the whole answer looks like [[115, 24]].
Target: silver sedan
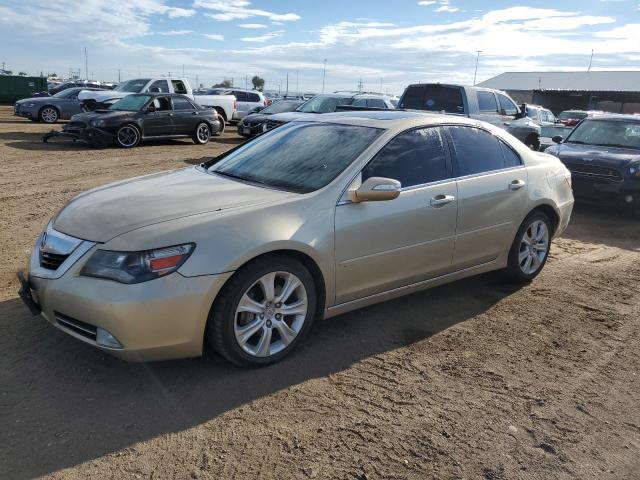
[[311, 220]]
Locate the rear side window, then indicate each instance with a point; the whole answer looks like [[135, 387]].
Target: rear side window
[[412, 158], [507, 105], [182, 104], [178, 86], [359, 102], [433, 98], [240, 96], [511, 158], [487, 102], [376, 103], [159, 86], [476, 150], [253, 97]]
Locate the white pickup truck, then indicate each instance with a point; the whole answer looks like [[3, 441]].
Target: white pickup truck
[[224, 104]]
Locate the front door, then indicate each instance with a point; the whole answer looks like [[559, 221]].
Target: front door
[[492, 195], [159, 122], [384, 245], [185, 116]]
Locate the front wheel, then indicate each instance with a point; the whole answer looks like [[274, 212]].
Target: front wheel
[[530, 248], [263, 311], [49, 115], [202, 134], [128, 136]]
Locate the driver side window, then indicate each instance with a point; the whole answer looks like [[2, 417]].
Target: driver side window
[[507, 105], [413, 158], [162, 103], [159, 86]]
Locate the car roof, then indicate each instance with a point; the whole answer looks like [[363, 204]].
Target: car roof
[[619, 117], [388, 119]]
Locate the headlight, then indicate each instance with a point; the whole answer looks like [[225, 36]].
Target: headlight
[[634, 170], [136, 267], [98, 123], [29, 105]]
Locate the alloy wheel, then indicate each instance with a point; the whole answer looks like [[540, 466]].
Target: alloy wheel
[[270, 314], [128, 136], [203, 133], [534, 247], [49, 115]]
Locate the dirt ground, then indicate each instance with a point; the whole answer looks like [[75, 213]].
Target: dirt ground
[[475, 379]]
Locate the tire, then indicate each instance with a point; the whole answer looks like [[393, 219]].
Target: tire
[[49, 114], [525, 263], [227, 330], [533, 142], [201, 134], [221, 113], [220, 131], [128, 136]]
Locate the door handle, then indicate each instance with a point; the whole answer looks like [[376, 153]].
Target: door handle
[[517, 185], [441, 200]]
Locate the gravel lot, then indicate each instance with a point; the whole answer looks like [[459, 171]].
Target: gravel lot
[[475, 379]]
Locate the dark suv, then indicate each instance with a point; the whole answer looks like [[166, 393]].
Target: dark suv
[[603, 155], [488, 105]]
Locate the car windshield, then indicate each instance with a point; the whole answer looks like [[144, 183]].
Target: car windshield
[[613, 133], [297, 157], [323, 104], [134, 86], [66, 92], [280, 107], [572, 115], [130, 103], [434, 98]]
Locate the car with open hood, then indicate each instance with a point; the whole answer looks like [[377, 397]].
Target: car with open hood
[[144, 116], [603, 154], [310, 220]]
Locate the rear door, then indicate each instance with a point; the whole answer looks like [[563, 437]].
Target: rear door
[[160, 122], [492, 195], [487, 107], [185, 116], [384, 245], [242, 103]]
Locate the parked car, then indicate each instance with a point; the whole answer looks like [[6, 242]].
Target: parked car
[[94, 100], [61, 106], [486, 104], [310, 220], [246, 100], [329, 103], [570, 118], [226, 105], [603, 155], [140, 117], [542, 116], [54, 88], [255, 123]]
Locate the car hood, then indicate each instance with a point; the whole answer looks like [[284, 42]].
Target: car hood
[[257, 117], [596, 155], [101, 95], [105, 212], [86, 117], [37, 100], [291, 116]]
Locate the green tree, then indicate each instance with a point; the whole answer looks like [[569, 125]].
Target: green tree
[[224, 84], [258, 83]]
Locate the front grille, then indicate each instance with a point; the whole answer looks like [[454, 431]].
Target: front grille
[[596, 171], [51, 261], [81, 328]]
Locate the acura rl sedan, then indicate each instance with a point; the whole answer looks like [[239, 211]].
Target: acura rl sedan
[[310, 220]]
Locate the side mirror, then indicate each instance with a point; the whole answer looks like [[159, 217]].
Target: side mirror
[[376, 189], [557, 139], [151, 108]]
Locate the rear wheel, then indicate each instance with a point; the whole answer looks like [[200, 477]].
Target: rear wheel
[[128, 136], [49, 115], [263, 311], [530, 248], [202, 133]]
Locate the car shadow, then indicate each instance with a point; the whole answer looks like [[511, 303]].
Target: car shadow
[[604, 225], [64, 402]]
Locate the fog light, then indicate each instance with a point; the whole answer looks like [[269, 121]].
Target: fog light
[[628, 198], [105, 339]]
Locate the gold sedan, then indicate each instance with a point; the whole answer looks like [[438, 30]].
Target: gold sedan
[[310, 220]]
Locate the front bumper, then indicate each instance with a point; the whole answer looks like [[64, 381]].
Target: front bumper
[[606, 192], [90, 135], [251, 130], [161, 319], [25, 112]]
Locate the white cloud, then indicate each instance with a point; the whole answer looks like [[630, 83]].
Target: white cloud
[[426, 3], [263, 38], [228, 10], [253, 25], [171, 33], [447, 8], [213, 36]]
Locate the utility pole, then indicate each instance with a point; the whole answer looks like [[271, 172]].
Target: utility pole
[[590, 61], [246, 82], [118, 75], [297, 84], [287, 92], [360, 86], [380, 84], [86, 63], [475, 74], [324, 73]]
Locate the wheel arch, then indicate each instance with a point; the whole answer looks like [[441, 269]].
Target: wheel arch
[[49, 105], [550, 212], [222, 113]]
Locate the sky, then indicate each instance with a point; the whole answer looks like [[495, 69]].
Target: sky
[[384, 44]]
